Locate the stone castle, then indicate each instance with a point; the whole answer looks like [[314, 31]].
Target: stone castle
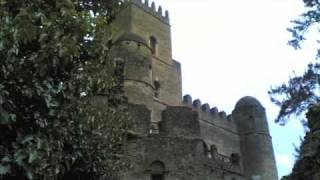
[[173, 137]]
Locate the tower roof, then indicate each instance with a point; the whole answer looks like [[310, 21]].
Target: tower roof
[[248, 101], [132, 37]]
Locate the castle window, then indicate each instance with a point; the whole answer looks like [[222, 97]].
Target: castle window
[[157, 171], [213, 151], [157, 87], [235, 158], [153, 45], [155, 128], [157, 177]]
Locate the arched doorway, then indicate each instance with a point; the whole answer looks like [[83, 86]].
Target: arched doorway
[[157, 171]]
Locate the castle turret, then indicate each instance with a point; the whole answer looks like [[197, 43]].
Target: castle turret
[[143, 24], [136, 54], [255, 141]]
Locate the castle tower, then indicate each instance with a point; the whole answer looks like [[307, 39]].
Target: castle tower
[[149, 22], [147, 26], [255, 141], [136, 55]]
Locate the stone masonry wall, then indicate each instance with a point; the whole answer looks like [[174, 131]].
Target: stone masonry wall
[[184, 155], [217, 128]]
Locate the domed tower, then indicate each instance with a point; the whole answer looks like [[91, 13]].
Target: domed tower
[[136, 54], [255, 141]]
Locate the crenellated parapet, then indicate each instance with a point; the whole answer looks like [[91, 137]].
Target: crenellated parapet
[[210, 115], [152, 9]]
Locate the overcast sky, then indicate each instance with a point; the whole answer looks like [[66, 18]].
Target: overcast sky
[[230, 49]]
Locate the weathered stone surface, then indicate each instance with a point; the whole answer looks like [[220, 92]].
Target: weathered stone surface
[[255, 141], [140, 117], [181, 122]]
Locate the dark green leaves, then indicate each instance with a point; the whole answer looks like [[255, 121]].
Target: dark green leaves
[[54, 63]]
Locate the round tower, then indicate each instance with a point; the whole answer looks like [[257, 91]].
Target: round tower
[[136, 54], [256, 145]]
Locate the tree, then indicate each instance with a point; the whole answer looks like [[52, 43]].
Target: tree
[[62, 109], [302, 94]]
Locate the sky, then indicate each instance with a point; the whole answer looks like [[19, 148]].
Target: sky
[[230, 49]]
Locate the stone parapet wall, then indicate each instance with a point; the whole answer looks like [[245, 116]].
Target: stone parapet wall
[[211, 115]]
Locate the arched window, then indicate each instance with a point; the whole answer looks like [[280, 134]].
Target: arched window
[[213, 151], [157, 171], [202, 150], [153, 45]]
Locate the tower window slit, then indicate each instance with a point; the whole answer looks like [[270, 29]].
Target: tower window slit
[[153, 45]]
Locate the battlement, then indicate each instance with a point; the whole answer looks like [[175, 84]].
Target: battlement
[[211, 115], [151, 9], [205, 108]]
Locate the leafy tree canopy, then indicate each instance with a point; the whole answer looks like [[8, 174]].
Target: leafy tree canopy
[[300, 92], [62, 112]]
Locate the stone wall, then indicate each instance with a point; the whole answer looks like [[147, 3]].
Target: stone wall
[[217, 128], [178, 147]]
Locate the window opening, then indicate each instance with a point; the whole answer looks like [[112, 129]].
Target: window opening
[[157, 88], [157, 177], [157, 171], [153, 45]]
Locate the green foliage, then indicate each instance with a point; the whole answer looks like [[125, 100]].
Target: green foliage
[[62, 110], [302, 94], [302, 91]]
